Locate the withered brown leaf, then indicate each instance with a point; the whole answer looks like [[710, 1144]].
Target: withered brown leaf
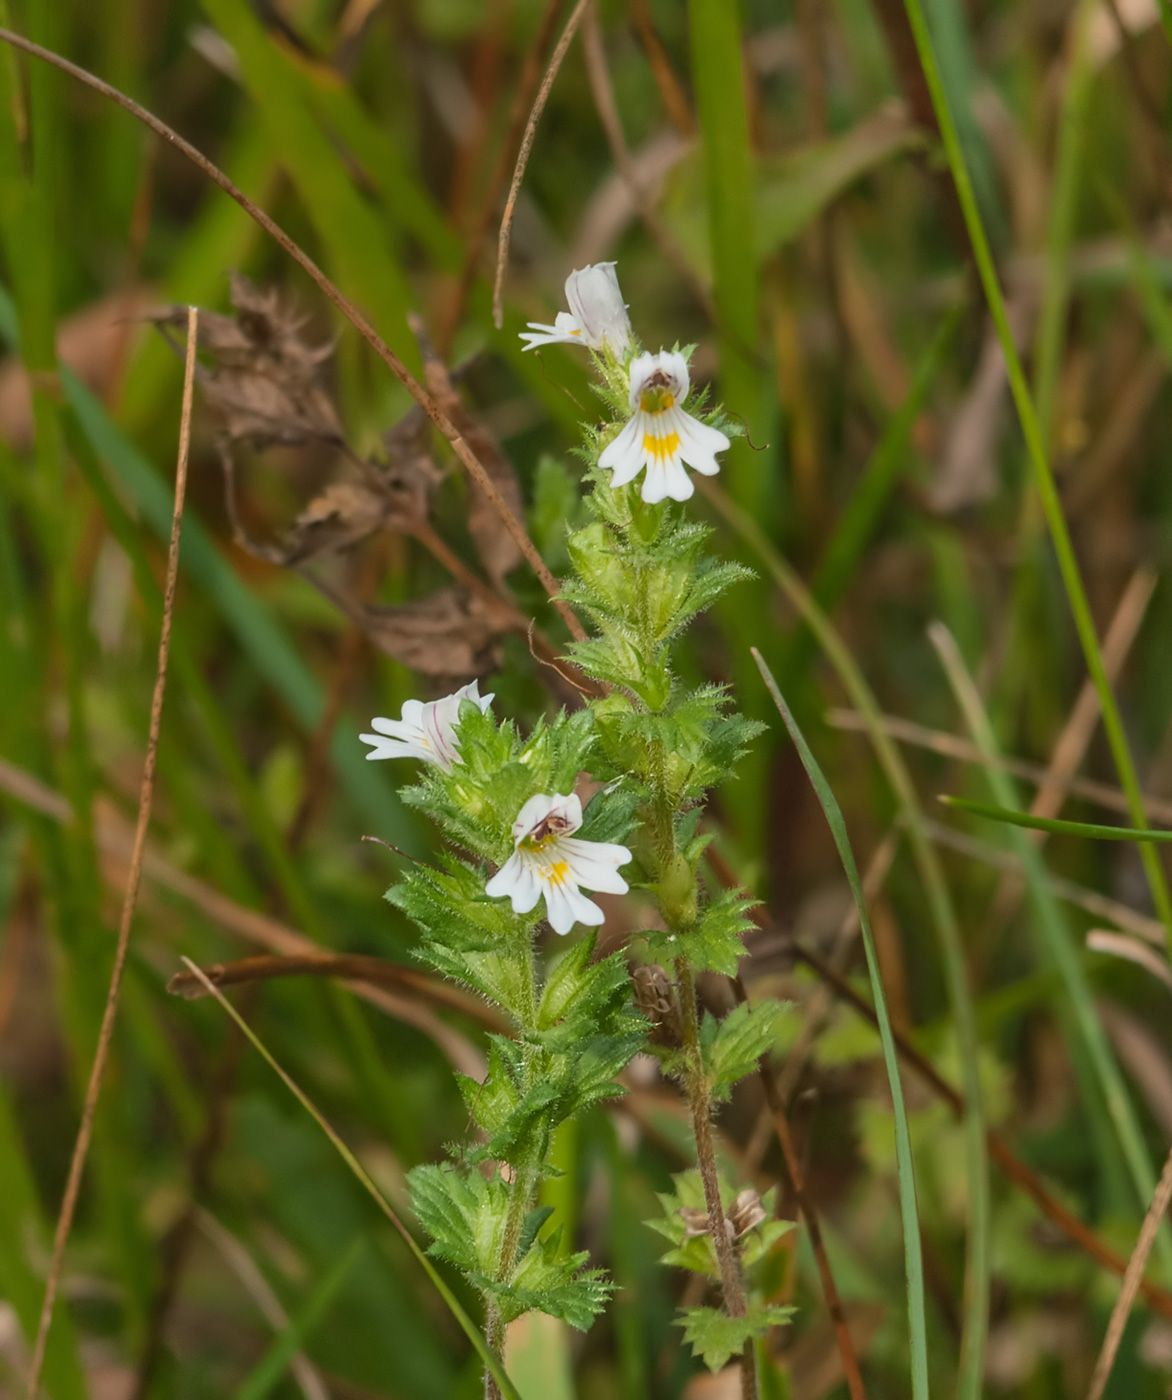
[[264, 379], [448, 633]]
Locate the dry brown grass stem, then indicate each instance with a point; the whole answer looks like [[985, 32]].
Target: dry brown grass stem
[[250, 924], [1131, 1282], [954, 746], [602, 91], [134, 878], [789, 1151], [357, 319], [522, 101], [555, 63], [353, 967], [1119, 945]]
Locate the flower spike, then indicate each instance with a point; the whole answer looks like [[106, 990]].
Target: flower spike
[[660, 435], [426, 731], [549, 860], [597, 314]]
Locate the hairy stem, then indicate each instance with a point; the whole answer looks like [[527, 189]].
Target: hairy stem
[[731, 1279], [526, 1178]]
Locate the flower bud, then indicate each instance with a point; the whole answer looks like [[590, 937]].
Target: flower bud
[[677, 893], [597, 305]]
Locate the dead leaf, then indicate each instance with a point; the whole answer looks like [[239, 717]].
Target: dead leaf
[[343, 514], [264, 380], [446, 634], [968, 469]]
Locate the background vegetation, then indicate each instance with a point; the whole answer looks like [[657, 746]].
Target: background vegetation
[[772, 184]]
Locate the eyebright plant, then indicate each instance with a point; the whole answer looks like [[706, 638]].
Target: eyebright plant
[[524, 848]]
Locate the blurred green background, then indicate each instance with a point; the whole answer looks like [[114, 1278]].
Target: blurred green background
[[770, 181]]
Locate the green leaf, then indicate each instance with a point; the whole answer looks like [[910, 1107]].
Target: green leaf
[[713, 943], [463, 1213], [715, 1336], [733, 1046], [1092, 830], [555, 1284]]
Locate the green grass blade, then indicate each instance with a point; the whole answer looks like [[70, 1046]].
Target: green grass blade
[[718, 73], [1092, 830], [943, 919], [357, 247], [1063, 207], [1076, 1002], [917, 1323], [1044, 477], [467, 1326], [267, 1372]]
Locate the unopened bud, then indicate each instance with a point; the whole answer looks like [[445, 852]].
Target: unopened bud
[[597, 305], [677, 893]]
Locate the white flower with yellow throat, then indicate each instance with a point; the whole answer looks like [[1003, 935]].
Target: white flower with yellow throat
[[660, 437], [548, 859]]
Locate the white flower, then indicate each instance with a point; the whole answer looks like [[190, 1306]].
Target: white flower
[[426, 730], [597, 314], [549, 860], [661, 436]]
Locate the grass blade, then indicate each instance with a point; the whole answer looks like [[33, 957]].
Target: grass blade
[[903, 1146], [259, 1382], [1076, 1004], [356, 243], [467, 1326], [943, 918], [1092, 830], [1043, 476], [718, 72]]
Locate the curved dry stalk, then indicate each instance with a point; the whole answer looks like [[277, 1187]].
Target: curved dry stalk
[[1131, 1282], [776, 1106], [608, 114], [343, 303], [134, 879], [522, 101], [1118, 945], [502, 252], [352, 967]]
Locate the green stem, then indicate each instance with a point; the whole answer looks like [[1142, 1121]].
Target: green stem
[[526, 1177], [1044, 478]]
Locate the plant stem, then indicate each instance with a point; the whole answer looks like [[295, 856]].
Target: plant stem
[[526, 1176], [731, 1280]]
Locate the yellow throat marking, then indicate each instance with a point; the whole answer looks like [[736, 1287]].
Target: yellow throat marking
[[661, 448], [558, 872]]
